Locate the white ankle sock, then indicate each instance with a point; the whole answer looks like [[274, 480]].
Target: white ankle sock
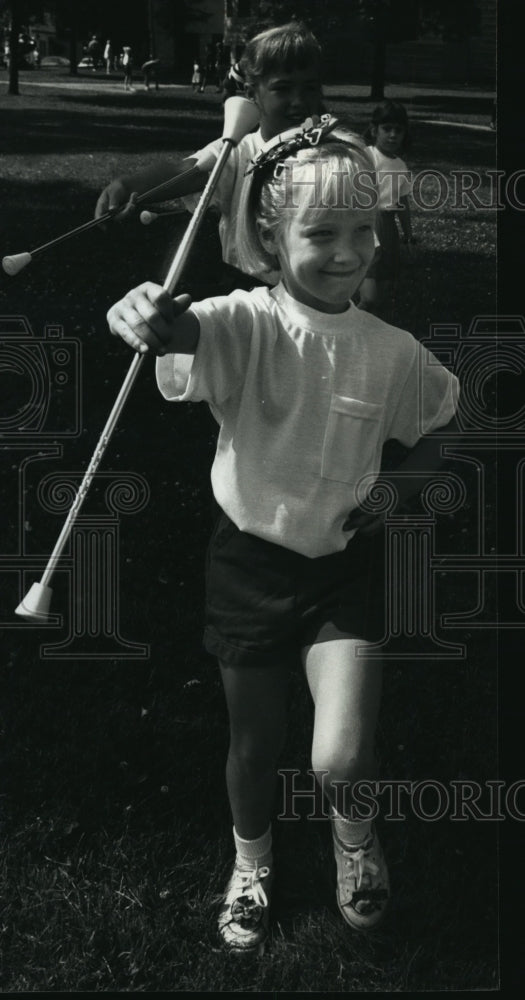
[[254, 853], [349, 833]]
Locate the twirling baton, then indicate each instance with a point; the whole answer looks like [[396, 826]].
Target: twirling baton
[[240, 116], [16, 262]]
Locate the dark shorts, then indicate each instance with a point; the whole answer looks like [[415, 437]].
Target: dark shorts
[[265, 603], [385, 265]]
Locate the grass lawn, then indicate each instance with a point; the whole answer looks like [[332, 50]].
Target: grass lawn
[[116, 835]]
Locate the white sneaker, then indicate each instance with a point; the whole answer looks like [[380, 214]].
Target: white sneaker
[[363, 886], [244, 913]]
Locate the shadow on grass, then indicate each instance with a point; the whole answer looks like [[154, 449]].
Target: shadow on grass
[[116, 780], [87, 121], [151, 101], [456, 104], [36, 213], [45, 131], [441, 146]]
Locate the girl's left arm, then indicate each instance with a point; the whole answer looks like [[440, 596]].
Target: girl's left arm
[[417, 470], [421, 464]]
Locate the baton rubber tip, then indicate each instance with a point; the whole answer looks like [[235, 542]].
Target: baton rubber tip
[[147, 218], [16, 262], [240, 117], [36, 603]]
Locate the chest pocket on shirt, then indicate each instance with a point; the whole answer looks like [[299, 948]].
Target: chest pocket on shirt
[[351, 439]]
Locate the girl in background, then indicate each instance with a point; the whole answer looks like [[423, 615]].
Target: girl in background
[[281, 68], [196, 77], [388, 137], [127, 66]]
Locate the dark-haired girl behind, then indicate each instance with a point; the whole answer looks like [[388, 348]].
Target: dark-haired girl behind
[[388, 136]]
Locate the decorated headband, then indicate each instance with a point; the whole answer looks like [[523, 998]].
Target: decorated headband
[[279, 148]]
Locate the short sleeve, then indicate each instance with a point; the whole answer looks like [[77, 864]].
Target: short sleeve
[[428, 399], [221, 358]]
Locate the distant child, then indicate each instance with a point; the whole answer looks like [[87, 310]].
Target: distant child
[[282, 72], [306, 389], [94, 51], [127, 66], [209, 68], [196, 76], [150, 70], [108, 56], [388, 135]]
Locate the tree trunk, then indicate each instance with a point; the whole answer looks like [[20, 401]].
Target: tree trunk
[[151, 31], [377, 90], [73, 36], [13, 48]]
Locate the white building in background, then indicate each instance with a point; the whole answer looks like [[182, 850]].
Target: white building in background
[[41, 34], [44, 34], [189, 45]]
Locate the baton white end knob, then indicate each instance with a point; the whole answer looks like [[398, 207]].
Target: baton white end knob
[[16, 262], [147, 217], [36, 603], [240, 117]]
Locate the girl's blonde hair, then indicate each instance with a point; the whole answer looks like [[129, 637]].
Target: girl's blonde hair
[[337, 173]]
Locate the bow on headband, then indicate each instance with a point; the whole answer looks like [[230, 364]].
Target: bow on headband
[[310, 134]]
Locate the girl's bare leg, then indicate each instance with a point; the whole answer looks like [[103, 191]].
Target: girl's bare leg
[[346, 689], [345, 683], [256, 698]]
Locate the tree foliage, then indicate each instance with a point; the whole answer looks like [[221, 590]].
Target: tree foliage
[[398, 19], [450, 20], [378, 22], [175, 16], [323, 17]]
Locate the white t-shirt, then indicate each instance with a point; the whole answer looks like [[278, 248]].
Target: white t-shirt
[[394, 179], [305, 401], [228, 191]]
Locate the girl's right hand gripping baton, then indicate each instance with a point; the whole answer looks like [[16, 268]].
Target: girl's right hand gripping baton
[[240, 117]]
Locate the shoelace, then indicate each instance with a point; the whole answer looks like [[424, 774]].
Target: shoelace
[[251, 885], [360, 865]]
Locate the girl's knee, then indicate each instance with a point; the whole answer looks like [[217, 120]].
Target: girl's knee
[[251, 756], [336, 767]]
